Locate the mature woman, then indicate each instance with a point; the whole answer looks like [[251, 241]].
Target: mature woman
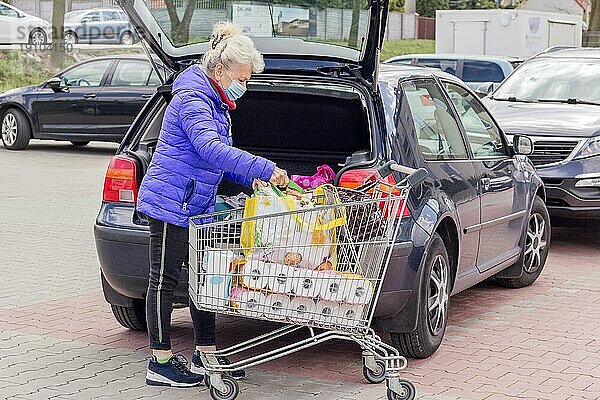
[[193, 154]]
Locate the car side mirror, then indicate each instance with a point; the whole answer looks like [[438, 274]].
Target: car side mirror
[[523, 145], [56, 83], [85, 20], [484, 89]]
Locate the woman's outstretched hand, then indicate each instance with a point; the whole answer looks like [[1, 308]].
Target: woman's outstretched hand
[[258, 184], [279, 177]]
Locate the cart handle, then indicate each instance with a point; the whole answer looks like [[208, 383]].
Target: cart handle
[[415, 176]]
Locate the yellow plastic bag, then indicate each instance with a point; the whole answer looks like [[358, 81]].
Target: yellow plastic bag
[[291, 231]]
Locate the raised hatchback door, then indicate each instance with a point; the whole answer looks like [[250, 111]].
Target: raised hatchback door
[[349, 32]]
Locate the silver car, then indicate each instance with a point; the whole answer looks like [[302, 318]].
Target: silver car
[[99, 25]]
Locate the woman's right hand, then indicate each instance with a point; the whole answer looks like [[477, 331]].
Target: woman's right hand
[[279, 177]]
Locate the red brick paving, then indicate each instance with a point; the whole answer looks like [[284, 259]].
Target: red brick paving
[[540, 342]]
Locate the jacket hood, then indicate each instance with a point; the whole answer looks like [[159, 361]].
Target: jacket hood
[[546, 119]]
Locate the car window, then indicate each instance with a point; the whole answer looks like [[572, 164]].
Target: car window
[[154, 79], [131, 73], [111, 16], [88, 74], [403, 61], [482, 71], [448, 66], [8, 12], [482, 133], [92, 16], [122, 16], [438, 133]]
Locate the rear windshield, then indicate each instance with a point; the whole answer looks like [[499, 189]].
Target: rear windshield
[[448, 66], [339, 22], [482, 71]]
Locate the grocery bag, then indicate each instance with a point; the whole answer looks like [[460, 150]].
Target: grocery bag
[[290, 230]]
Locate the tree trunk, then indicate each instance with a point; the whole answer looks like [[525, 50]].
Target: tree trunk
[[57, 55], [595, 16], [353, 37], [180, 29]]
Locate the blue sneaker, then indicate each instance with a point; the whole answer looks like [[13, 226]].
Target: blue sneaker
[[198, 368], [172, 373]]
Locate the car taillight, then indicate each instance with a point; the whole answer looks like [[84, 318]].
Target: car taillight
[[120, 183], [355, 178]]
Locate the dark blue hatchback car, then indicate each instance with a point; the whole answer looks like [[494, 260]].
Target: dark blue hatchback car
[[479, 214]]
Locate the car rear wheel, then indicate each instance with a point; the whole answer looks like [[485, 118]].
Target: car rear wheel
[[537, 245], [38, 37], [16, 130], [80, 143], [126, 38], [133, 317], [71, 38], [433, 306]]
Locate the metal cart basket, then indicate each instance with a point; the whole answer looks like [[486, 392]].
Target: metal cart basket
[[316, 264]]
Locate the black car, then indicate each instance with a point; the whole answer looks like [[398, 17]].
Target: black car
[[555, 99], [480, 213], [92, 100]]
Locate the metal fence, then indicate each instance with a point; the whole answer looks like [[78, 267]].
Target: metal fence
[[425, 28]]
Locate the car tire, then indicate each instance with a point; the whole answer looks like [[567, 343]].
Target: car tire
[[537, 245], [133, 317], [38, 37], [431, 321], [71, 37], [16, 131], [127, 38], [79, 143]]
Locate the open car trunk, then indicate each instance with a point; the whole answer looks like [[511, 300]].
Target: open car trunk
[[298, 126]]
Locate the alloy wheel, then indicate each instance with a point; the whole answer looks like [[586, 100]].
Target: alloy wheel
[[37, 38], [437, 299], [535, 243], [127, 39], [9, 129], [70, 38]]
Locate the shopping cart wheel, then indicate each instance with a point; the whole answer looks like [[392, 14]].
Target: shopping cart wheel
[[230, 394], [377, 375], [409, 391]]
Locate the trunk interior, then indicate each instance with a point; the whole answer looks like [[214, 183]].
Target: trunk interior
[[299, 127]]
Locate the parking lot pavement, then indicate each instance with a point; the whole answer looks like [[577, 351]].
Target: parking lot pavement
[[59, 339]]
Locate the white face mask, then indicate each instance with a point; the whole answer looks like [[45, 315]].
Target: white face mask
[[235, 89]]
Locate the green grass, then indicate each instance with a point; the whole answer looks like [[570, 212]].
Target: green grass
[[17, 70], [399, 47]]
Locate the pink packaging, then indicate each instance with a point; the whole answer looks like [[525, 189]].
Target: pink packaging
[[323, 176]]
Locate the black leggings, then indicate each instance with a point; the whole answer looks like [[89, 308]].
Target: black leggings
[[168, 252]]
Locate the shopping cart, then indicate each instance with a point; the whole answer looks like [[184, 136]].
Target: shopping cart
[[256, 267]]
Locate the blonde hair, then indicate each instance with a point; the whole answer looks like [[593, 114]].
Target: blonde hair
[[231, 48]]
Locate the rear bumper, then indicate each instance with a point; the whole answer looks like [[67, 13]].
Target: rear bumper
[[124, 261]]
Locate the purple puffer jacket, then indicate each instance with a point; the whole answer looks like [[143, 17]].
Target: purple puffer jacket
[[194, 152]]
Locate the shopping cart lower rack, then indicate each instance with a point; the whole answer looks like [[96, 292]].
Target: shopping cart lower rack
[[314, 264]]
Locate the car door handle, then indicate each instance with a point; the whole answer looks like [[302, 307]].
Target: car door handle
[[146, 96], [89, 96]]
